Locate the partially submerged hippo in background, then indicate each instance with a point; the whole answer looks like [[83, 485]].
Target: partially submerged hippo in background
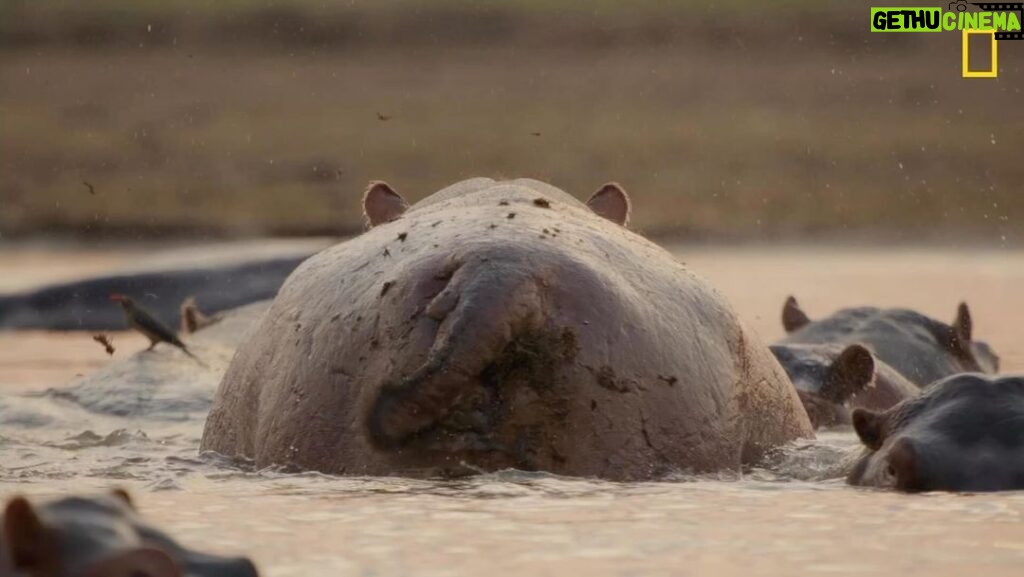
[[100, 536], [163, 384], [501, 325], [831, 378], [232, 277], [963, 433], [922, 349]]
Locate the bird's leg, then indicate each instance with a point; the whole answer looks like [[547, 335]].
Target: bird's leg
[[152, 344]]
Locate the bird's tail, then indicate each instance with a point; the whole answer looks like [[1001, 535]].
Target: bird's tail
[[199, 361]]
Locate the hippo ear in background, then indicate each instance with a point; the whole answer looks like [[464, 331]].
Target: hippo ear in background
[[869, 427], [963, 326], [147, 561], [25, 537], [188, 313], [958, 337], [849, 374], [382, 204], [611, 202], [793, 317], [123, 495], [903, 466], [193, 319]]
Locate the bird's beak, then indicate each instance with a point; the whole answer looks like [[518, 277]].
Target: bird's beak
[[117, 298]]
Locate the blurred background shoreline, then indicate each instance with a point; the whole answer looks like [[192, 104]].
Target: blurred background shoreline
[[785, 122]]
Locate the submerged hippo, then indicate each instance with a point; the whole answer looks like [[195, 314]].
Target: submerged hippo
[[496, 325], [922, 349], [99, 536], [830, 378], [220, 278], [963, 433]]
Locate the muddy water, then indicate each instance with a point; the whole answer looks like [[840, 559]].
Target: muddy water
[[793, 517]]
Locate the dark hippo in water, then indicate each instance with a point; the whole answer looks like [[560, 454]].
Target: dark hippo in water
[[922, 349], [496, 325], [831, 378], [99, 536], [963, 433], [219, 278]]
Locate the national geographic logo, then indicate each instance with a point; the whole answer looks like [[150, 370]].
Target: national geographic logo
[[998, 20]]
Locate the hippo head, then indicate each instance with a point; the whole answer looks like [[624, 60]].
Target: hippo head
[[98, 537], [382, 204], [963, 433], [955, 339], [826, 378]]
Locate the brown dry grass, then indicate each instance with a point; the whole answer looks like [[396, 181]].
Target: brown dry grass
[[771, 126]]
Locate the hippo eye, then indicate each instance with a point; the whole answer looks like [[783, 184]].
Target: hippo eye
[[890, 470]]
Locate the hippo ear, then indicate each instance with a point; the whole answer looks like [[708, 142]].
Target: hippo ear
[[193, 319], [26, 539], [123, 496], [141, 562], [187, 313], [960, 335], [903, 466], [382, 204], [869, 427], [611, 202], [957, 337], [963, 326], [793, 317], [849, 374]]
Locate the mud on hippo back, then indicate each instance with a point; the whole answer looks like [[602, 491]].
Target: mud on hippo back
[[920, 348], [963, 433], [98, 536], [501, 325]]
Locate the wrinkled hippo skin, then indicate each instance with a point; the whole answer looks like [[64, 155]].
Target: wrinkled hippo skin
[[496, 325], [85, 305], [963, 433], [832, 378], [921, 349], [100, 536]]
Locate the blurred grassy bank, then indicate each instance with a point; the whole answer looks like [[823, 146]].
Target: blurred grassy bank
[[238, 118]]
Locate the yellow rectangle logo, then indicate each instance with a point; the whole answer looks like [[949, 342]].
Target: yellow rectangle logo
[[994, 46]]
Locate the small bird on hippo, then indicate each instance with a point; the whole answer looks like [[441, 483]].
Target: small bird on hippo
[[144, 322]]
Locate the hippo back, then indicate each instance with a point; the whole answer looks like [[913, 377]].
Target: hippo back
[[496, 325]]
